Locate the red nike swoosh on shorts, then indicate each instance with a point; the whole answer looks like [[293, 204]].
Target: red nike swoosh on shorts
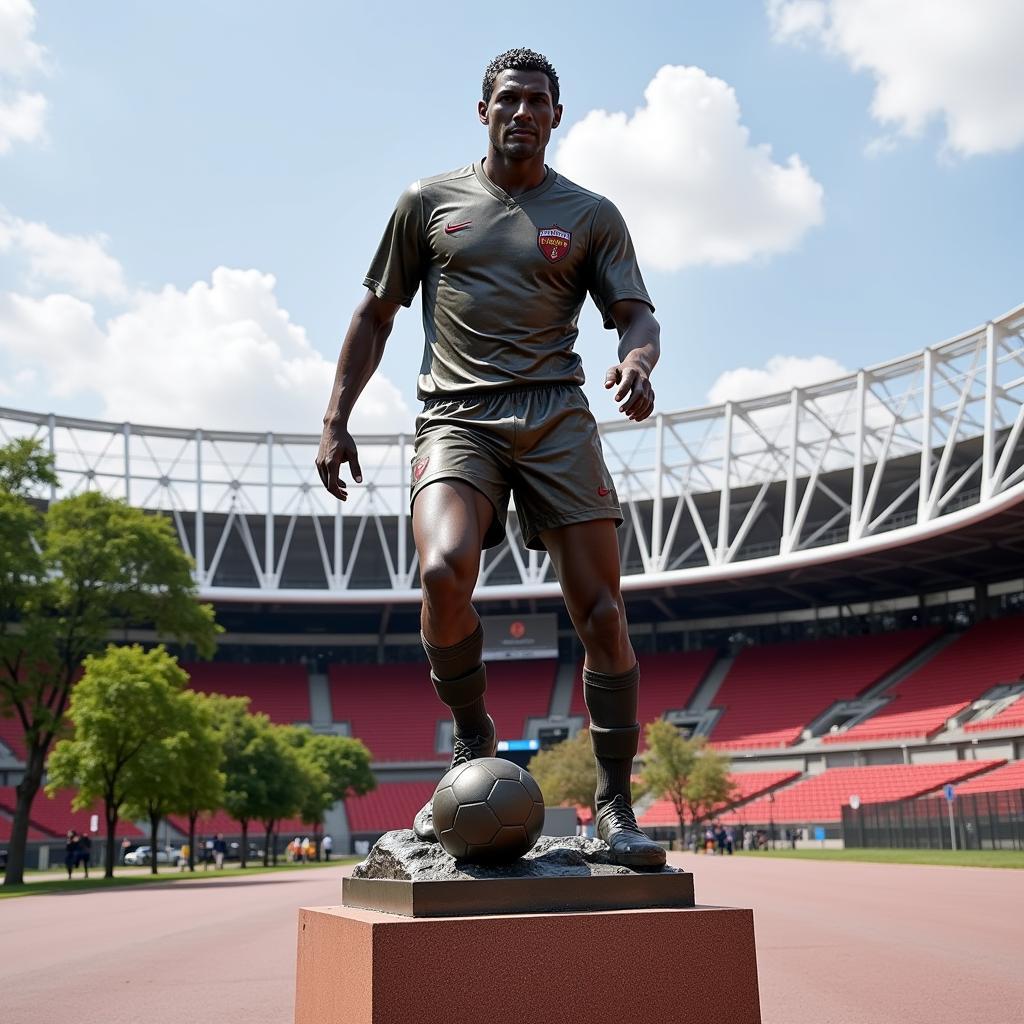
[[604, 491], [450, 229]]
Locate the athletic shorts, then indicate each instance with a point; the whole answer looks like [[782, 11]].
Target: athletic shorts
[[540, 444]]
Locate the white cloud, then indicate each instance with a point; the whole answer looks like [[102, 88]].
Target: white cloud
[[222, 354], [957, 61], [80, 263], [687, 179], [22, 112], [780, 373]]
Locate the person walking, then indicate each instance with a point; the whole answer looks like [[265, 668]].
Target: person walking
[[70, 851], [326, 845], [506, 251], [84, 853], [220, 849]]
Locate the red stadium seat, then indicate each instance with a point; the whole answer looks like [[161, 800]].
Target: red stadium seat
[[820, 798], [391, 805], [773, 692], [1008, 776], [986, 655], [393, 708], [279, 691], [55, 817]]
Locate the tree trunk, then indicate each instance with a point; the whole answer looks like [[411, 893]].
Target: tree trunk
[[26, 790], [154, 827], [192, 816], [268, 828], [110, 816], [243, 852], [682, 833]]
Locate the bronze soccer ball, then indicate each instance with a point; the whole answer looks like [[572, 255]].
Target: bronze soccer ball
[[488, 810]]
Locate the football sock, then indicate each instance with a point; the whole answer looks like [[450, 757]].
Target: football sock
[[460, 679], [614, 730]]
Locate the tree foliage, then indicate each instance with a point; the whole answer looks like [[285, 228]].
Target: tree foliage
[[566, 773], [335, 766], [124, 709], [71, 575], [692, 777]]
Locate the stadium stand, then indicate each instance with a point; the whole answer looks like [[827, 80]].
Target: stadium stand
[[55, 817], [7, 822], [279, 691], [1009, 718], [772, 692], [361, 694], [392, 708], [516, 691], [668, 682], [12, 736], [985, 655], [749, 786], [1009, 776], [391, 805], [820, 798], [221, 821]]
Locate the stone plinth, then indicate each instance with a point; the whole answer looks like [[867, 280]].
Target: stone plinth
[[365, 967]]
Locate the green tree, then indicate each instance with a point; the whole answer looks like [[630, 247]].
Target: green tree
[[287, 778], [126, 704], [88, 565], [172, 773], [335, 767], [249, 756], [693, 778], [566, 773], [201, 784]]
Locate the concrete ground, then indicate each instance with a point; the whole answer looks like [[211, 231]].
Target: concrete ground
[[837, 944]]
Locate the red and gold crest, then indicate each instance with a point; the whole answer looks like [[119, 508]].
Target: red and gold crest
[[554, 243]]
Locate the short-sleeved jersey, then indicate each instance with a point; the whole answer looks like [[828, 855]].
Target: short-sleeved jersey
[[504, 278]]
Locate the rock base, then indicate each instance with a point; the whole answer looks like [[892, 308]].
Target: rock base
[[405, 876]]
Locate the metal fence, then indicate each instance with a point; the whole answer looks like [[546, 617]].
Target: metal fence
[[979, 821]]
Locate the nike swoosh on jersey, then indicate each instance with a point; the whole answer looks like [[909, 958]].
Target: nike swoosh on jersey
[[451, 229]]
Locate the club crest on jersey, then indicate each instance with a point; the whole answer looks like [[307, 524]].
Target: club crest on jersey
[[554, 243]]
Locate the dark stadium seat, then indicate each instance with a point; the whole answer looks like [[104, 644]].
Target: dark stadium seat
[[279, 691], [749, 785], [986, 655], [668, 682], [1007, 776], [391, 805], [773, 692], [820, 798], [54, 816]]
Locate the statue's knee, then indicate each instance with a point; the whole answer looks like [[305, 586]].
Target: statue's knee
[[604, 627], [446, 580]]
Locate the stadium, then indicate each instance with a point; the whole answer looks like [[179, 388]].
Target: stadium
[[827, 583]]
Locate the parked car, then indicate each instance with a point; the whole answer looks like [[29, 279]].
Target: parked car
[[235, 849], [142, 855]]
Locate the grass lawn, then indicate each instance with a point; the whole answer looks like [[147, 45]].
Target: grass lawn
[[42, 882], [946, 858]]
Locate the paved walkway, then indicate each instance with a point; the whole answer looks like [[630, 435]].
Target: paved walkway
[[837, 944]]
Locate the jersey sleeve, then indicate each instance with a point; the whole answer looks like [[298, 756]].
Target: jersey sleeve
[[399, 263], [613, 270]]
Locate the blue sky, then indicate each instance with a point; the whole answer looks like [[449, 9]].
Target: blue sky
[[177, 139]]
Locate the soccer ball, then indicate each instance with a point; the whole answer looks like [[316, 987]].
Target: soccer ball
[[488, 810]]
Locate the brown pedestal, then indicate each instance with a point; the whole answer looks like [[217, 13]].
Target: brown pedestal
[[679, 965]]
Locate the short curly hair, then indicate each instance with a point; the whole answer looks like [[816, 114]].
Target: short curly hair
[[519, 59]]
